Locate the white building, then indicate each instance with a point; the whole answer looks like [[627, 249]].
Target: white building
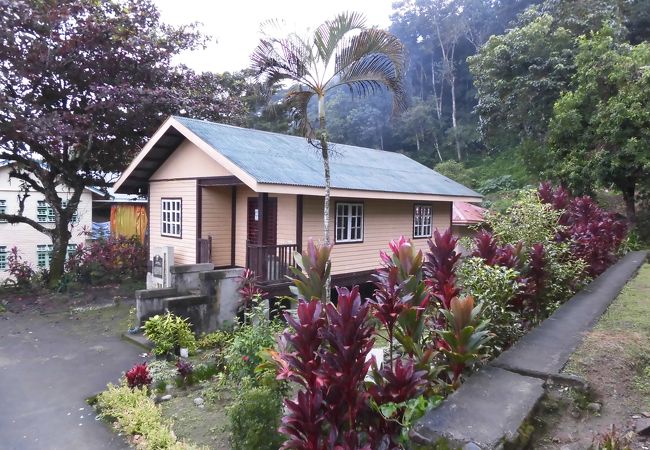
[[33, 246]]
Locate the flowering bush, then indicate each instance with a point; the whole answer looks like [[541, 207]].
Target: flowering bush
[[138, 376], [111, 260]]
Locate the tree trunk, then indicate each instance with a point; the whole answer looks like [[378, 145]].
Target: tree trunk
[[328, 181], [436, 146], [454, 124], [60, 239], [630, 203]]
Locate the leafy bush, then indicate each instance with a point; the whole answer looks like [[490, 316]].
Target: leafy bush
[[495, 287], [255, 418], [161, 372], [136, 414], [109, 260], [242, 355], [457, 172], [138, 376], [498, 184], [528, 221], [168, 332], [185, 369], [19, 269]]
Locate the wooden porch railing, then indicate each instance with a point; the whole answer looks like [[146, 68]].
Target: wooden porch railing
[[270, 262]]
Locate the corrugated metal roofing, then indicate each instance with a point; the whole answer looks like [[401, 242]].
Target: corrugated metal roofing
[[281, 159], [464, 213]]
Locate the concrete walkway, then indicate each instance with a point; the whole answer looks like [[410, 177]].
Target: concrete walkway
[[488, 410], [49, 365]]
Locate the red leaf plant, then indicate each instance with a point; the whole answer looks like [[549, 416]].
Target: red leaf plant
[[401, 287], [138, 376], [249, 290], [593, 233], [184, 369], [440, 267], [345, 365], [393, 384]]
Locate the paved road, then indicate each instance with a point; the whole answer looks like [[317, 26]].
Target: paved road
[[48, 366]]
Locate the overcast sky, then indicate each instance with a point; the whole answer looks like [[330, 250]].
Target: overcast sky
[[234, 25]]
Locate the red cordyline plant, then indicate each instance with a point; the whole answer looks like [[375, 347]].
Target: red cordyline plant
[[466, 337], [593, 233], [400, 287], [440, 267], [312, 271], [249, 290], [19, 268], [345, 364], [535, 279], [184, 369], [138, 376], [329, 362]]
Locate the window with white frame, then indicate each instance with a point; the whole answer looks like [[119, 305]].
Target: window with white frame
[[3, 257], [3, 209], [349, 222], [171, 217], [422, 220], [44, 254], [45, 212]]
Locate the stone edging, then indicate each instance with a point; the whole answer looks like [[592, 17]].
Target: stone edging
[[488, 410]]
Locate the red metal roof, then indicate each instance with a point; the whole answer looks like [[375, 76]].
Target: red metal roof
[[466, 213]]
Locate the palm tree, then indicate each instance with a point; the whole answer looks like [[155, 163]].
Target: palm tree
[[341, 52]]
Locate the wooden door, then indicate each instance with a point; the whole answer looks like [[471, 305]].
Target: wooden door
[[270, 222]]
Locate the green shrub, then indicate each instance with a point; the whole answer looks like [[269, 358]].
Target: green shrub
[[457, 172], [255, 416], [168, 332], [137, 414], [242, 356], [494, 287], [216, 340], [498, 184], [527, 220]]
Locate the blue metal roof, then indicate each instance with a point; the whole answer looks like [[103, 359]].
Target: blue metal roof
[[281, 159]]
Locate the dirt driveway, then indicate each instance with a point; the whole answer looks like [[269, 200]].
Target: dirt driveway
[[49, 365]]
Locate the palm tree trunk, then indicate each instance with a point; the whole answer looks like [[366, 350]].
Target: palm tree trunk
[[328, 182]]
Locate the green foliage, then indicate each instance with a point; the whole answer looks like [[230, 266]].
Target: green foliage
[[600, 131], [410, 411], [465, 337], [255, 418], [528, 220], [161, 371], [242, 355], [457, 172], [498, 184], [137, 414], [216, 340], [520, 74], [168, 332], [312, 271], [494, 287]]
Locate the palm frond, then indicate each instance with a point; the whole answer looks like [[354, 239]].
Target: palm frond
[[328, 35], [297, 100], [369, 42], [281, 59]]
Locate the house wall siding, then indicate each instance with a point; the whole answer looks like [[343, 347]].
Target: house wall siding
[[189, 161], [184, 247], [26, 238], [384, 220], [243, 193], [217, 205]]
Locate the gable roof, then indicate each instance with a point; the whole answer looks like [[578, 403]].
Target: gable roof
[[264, 160]]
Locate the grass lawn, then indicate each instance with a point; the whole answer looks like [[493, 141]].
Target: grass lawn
[[615, 360]]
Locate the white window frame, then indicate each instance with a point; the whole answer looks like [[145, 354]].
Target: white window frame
[[171, 217], [3, 210], [422, 221], [349, 222], [3, 258]]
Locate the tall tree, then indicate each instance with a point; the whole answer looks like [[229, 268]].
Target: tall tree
[[600, 131], [83, 83], [342, 52]]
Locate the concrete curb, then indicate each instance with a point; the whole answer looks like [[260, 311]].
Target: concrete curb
[[489, 409]]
